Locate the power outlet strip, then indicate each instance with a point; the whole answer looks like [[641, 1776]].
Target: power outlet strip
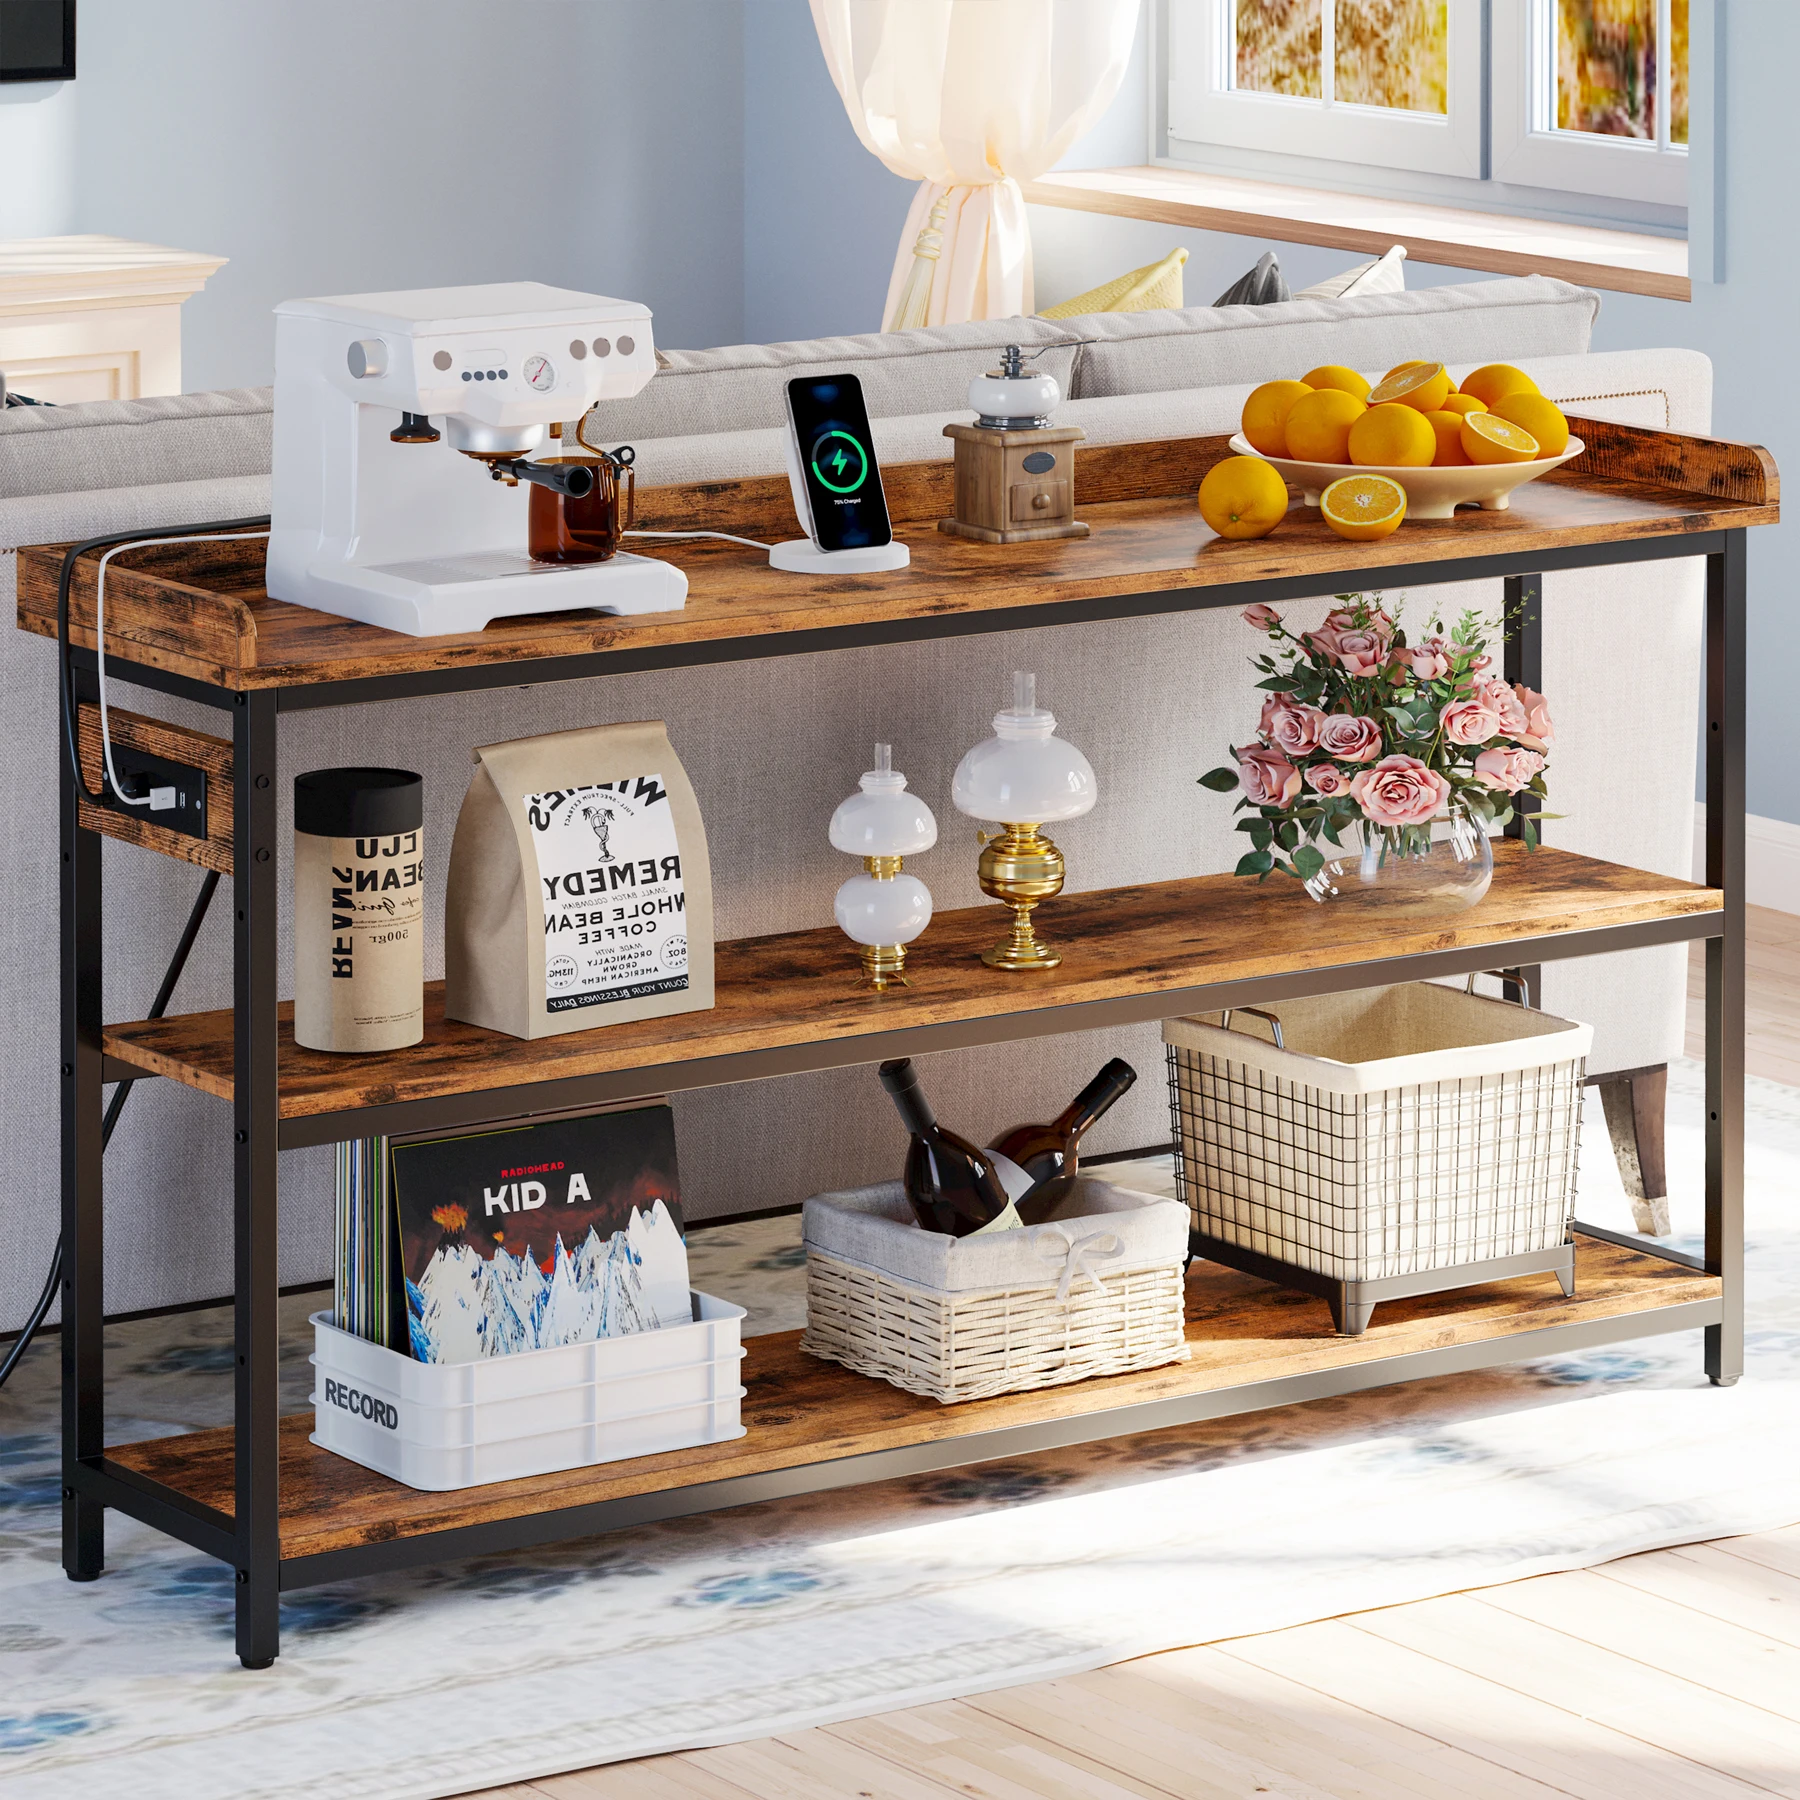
[[140, 771]]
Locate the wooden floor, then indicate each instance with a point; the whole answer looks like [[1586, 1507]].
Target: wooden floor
[[1662, 1677], [1669, 1676]]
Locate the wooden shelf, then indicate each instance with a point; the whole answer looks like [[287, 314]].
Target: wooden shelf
[[799, 993], [200, 611], [1628, 262], [1242, 1333]]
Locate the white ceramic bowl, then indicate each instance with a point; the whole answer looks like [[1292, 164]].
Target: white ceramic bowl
[[1430, 493]]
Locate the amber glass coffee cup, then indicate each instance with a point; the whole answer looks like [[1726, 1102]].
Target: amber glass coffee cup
[[588, 530]]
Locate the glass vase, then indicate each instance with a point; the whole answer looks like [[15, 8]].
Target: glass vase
[[1410, 871]]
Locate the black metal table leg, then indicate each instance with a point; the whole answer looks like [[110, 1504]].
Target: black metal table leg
[[1523, 660], [255, 1122], [83, 1214], [1725, 609]]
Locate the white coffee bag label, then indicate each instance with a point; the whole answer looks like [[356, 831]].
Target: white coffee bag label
[[615, 909]]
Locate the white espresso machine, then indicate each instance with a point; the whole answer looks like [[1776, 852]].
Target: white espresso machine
[[404, 427]]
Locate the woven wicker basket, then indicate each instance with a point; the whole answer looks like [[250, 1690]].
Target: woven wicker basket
[[964, 1319]]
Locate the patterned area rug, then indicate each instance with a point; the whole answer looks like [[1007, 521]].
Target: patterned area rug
[[773, 1617]]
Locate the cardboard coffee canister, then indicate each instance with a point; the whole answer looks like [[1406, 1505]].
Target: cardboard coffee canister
[[579, 892], [359, 909]]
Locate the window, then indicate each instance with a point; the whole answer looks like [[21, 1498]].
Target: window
[[1581, 96], [1395, 83], [1591, 97]]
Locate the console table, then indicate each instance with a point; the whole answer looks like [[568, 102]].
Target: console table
[[193, 621]]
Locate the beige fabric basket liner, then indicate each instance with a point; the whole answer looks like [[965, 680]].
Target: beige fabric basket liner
[[1390, 1037], [875, 1227]]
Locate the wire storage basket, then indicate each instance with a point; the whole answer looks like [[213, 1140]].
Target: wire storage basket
[[1395, 1141]]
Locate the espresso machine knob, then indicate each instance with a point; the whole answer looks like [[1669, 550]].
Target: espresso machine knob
[[367, 358]]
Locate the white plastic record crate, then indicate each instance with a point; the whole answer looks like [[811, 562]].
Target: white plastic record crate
[[1387, 1142], [456, 1425]]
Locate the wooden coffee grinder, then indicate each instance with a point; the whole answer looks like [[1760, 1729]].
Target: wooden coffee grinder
[[1015, 471]]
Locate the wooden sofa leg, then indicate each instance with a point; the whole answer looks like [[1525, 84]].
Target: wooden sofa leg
[[1636, 1104]]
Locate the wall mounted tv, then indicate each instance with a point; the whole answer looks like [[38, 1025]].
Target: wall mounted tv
[[37, 40]]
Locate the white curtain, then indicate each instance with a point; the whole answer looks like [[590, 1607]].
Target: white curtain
[[969, 98]]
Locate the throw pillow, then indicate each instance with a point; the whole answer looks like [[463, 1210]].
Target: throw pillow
[[1153, 288], [1265, 285], [1386, 275]]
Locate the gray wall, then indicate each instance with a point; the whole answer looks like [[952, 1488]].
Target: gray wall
[[821, 215], [339, 146]]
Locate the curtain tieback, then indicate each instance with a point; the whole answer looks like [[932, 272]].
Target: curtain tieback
[[915, 297]]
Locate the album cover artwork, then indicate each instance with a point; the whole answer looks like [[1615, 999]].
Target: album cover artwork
[[557, 1232]]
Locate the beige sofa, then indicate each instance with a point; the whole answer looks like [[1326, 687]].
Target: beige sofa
[[773, 745]]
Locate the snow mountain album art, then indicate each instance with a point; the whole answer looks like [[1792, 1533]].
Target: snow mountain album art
[[541, 1235]]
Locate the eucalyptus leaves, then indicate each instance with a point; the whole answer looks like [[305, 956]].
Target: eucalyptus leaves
[[1363, 728]]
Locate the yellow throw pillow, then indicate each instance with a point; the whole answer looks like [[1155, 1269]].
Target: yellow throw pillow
[[1149, 289]]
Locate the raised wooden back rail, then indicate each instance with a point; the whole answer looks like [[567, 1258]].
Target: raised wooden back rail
[[201, 610]]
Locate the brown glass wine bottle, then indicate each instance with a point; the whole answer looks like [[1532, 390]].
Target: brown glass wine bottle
[[952, 1185], [1050, 1154]]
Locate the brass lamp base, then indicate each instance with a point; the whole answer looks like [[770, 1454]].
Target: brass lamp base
[[1020, 868], [883, 965]]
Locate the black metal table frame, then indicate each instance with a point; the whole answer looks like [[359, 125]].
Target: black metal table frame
[[249, 1538]]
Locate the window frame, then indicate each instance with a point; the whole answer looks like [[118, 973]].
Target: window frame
[[1204, 107], [1528, 149]]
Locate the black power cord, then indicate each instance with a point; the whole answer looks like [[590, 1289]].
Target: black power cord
[[203, 900], [164, 994], [65, 661]]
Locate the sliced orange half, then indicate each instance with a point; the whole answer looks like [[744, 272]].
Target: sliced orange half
[[1488, 438], [1424, 385], [1363, 507]]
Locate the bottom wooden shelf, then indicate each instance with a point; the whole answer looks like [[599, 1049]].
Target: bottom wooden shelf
[[1242, 1333]]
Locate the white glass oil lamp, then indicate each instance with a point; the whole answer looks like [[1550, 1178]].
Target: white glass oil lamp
[[883, 909], [1024, 776]]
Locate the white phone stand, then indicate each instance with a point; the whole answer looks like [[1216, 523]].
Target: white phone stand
[[801, 556]]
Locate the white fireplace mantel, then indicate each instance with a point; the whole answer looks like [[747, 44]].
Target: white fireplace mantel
[[93, 317]]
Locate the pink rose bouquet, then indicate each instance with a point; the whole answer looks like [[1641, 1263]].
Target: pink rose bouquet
[[1364, 728]]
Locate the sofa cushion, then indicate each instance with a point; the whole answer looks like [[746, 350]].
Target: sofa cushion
[[1203, 346], [135, 443], [740, 388], [1667, 390]]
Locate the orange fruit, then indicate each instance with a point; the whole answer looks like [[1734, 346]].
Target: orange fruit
[[1335, 375], [1395, 370], [1318, 427], [1488, 438], [1463, 403], [1390, 436], [1363, 507], [1542, 418], [1494, 381], [1242, 497], [1265, 415], [1447, 429], [1425, 386]]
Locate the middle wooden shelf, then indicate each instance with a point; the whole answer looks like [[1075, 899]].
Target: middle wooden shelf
[[793, 1003]]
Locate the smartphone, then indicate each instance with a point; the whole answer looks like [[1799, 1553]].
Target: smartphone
[[836, 482]]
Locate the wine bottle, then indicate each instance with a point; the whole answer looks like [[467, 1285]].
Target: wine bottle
[[1049, 1154], [952, 1185]]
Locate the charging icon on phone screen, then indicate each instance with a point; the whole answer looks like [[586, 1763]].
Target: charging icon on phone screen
[[840, 462]]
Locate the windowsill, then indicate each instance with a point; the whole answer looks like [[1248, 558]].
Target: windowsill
[[1626, 262]]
